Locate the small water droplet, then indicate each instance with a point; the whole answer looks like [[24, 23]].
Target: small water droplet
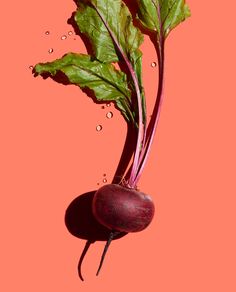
[[104, 180], [50, 50], [109, 115], [108, 104], [70, 32], [98, 128], [153, 64], [31, 67], [63, 37], [47, 32]]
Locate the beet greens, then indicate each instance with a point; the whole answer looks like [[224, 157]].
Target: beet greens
[[109, 26]]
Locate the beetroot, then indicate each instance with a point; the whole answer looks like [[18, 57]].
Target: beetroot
[[122, 209]]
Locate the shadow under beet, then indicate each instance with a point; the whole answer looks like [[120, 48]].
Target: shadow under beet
[[81, 223]]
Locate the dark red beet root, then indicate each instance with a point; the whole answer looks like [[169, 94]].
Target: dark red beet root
[[122, 209]]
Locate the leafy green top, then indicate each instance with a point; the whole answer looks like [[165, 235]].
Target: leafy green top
[[110, 30], [90, 20], [113, 37]]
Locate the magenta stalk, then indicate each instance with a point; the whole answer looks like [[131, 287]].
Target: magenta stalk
[[134, 169], [155, 115]]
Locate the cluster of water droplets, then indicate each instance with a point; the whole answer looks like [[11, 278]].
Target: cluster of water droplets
[[51, 50], [109, 115], [104, 180]]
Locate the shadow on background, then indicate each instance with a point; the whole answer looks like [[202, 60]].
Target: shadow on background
[[81, 223]]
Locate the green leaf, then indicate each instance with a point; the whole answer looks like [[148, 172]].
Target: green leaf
[[162, 16], [173, 12], [107, 83], [148, 14], [91, 25], [119, 20], [110, 29]]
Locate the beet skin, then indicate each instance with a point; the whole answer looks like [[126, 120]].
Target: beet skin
[[122, 209]]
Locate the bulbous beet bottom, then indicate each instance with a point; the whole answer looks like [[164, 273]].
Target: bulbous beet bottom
[[122, 209]]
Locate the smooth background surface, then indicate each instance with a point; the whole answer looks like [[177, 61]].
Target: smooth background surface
[[51, 153]]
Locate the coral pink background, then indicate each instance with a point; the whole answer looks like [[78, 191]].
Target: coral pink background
[[51, 153]]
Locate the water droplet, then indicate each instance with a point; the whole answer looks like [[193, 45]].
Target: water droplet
[[108, 104], [47, 32], [104, 180], [109, 115], [153, 64], [31, 67], [63, 37], [70, 32], [50, 50], [98, 128]]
